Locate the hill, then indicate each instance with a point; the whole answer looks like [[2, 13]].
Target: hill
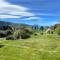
[[15, 25]]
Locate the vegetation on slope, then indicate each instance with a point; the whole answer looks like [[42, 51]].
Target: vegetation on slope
[[40, 45]]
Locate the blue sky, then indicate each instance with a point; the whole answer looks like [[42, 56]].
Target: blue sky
[[41, 12]]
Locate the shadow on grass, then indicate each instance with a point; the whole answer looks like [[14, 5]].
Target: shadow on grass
[[1, 45]]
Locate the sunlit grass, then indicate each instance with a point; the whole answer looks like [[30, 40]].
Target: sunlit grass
[[41, 47]]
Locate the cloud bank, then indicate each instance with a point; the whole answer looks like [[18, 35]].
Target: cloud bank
[[8, 10], [34, 12]]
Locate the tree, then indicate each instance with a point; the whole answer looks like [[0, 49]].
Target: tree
[[35, 27], [41, 28]]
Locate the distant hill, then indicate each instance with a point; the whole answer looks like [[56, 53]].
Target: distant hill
[[15, 25], [3, 23]]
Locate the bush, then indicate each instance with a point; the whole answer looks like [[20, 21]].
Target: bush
[[50, 32], [35, 34], [10, 38], [5, 33], [41, 33], [17, 35], [28, 31], [2, 34], [58, 30], [7, 27], [23, 33], [9, 32], [1, 45]]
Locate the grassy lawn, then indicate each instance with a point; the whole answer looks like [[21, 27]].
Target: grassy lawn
[[42, 47]]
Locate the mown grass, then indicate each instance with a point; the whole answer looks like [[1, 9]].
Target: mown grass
[[41, 47]]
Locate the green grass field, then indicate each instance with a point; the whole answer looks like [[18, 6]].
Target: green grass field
[[42, 47]]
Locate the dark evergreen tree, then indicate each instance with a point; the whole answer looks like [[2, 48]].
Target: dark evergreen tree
[[41, 28]]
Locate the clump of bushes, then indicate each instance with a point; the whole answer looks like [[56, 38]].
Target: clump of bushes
[[41, 33], [18, 35], [9, 32], [35, 34], [2, 34], [23, 34], [50, 32], [1, 45], [5, 33], [10, 38], [58, 30]]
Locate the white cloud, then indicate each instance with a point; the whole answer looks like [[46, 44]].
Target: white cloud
[[14, 10], [8, 16], [33, 18], [22, 13]]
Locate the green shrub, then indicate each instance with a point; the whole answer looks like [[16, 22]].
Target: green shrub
[[17, 35], [22, 33], [58, 30], [50, 32], [2, 34], [28, 31], [9, 32], [41, 33], [35, 34], [25, 33], [5, 33], [10, 38], [1, 45]]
